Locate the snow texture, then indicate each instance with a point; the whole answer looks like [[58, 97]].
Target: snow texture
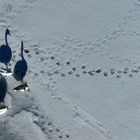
[[83, 69]]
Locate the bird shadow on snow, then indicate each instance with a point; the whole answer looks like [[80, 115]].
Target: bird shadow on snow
[[19, 102], [21, 67], [5, 51], [3, 91], [20, 105], [10, 128]]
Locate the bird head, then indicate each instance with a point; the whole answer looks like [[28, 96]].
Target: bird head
[[8, 31], [21, 46]]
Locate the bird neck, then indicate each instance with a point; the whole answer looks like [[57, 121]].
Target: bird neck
[[22, 51], [6, 39]]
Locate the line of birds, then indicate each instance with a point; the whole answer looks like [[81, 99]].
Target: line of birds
[[18, 73]]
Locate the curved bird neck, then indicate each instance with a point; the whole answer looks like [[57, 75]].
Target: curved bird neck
[[6, 38], [22, 56]]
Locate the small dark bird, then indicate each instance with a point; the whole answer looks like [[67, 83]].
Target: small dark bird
[[5, 51], [20, 68]]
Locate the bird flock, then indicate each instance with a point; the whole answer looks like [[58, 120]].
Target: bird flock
[[18, 73]]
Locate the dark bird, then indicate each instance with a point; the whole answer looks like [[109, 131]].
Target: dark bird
[[5, 51], [20, 68]]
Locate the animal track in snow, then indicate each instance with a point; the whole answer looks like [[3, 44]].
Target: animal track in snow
[[79, 46], [112, 72], [26, 102]]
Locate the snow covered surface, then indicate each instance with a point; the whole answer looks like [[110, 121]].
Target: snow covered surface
[[68, 41]]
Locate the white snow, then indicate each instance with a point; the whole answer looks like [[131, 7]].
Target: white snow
[[67, 101]]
